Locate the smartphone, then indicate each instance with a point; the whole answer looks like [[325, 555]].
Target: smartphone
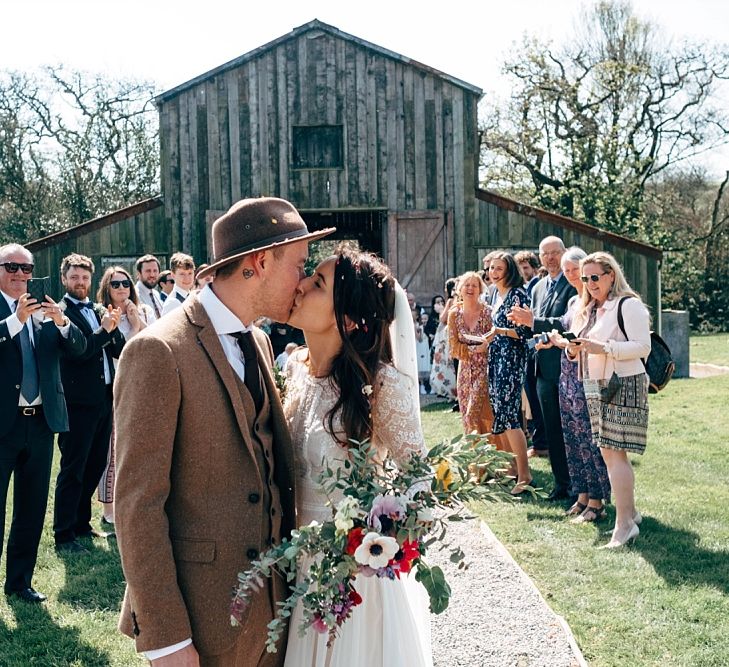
[[38, 288], [569, 335]]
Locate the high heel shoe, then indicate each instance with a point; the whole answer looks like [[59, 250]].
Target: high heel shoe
[[637, 518], [630, 537]]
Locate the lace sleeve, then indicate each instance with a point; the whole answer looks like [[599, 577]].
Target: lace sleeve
[[395, 423]]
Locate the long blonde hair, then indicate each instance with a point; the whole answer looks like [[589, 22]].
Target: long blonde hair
[[619, 289]]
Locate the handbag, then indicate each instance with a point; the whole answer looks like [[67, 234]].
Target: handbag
[[659, 366]]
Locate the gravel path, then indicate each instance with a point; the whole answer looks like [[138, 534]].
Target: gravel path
[[496, 615]]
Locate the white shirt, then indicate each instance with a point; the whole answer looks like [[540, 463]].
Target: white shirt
[[15, 327], [90, 317], [172, 301], [151, 298], [225, 322]]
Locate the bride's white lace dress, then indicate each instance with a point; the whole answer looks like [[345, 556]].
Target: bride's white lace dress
[[391, 627]]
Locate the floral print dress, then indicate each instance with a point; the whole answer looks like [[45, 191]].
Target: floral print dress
[[473, 389], [507, 364]]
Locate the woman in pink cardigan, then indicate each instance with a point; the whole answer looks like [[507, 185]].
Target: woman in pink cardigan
[[614, 377]]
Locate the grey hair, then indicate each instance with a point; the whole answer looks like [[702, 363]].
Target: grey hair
[[574, 255], [10, 248], [551, 239]]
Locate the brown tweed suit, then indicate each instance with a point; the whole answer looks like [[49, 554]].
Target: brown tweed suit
[[188, 510]]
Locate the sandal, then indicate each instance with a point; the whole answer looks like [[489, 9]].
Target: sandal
[[577, 508], [590, 515]]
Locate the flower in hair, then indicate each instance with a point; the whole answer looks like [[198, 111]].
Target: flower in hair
[[367, 389]]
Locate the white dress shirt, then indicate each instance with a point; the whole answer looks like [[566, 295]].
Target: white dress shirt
[[15, 327], [172, 301], [90, 317], [151, 298]]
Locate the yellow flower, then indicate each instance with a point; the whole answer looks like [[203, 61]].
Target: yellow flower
[[443, 474]]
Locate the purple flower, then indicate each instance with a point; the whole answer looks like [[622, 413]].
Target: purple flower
[[390, 508]]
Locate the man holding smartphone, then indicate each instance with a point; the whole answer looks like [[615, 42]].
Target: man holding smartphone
[[33, 335]]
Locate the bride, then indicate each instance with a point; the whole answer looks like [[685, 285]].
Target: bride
[[345, 385]]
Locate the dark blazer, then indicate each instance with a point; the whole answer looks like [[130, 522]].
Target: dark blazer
[[83, 377], [548, 361], [49, 345]]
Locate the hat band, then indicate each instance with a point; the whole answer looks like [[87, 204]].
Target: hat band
[[264, 243]]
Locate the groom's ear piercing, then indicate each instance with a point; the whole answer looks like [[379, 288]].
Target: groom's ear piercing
[[247, 273]]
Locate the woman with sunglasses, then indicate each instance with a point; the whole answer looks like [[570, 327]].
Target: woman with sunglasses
[[614, 378], [117, 288]]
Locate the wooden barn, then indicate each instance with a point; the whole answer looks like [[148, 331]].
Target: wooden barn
[[356, 136]]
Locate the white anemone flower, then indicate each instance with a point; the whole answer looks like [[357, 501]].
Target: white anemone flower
[[376, 550]]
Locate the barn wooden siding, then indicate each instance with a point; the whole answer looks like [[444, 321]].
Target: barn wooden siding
[[409, 134], [507, 224], [117, 238]]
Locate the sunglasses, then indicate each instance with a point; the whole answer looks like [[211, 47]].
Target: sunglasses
[[116, 284], [595, 277], [12, 267], [169, 280]]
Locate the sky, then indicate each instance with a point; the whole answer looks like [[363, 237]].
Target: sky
[[172, 42]]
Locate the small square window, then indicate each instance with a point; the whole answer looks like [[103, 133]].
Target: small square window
[[318, 147]]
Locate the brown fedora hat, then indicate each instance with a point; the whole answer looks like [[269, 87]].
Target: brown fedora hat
[[257, 224]]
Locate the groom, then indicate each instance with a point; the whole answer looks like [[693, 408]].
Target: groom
[[206, 482]]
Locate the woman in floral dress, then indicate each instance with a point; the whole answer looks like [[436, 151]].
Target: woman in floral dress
[[507, 362], [471, 317]]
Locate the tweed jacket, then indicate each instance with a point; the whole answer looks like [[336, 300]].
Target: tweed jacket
[[548, 361], [186, 480], [50, 345]]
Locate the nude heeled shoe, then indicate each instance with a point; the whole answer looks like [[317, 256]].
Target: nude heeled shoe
[[630, 537]]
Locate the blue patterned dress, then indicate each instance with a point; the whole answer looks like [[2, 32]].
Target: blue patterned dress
[[507, 364], [588, 473]]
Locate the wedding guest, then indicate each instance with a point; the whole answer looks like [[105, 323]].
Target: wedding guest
[[148, 276], [201, 282], [549, 302], [443, 369], [183, 272], [166, 283], [283, 358], [116, 288], [437, 304], [529, 266], [87, 384], [470, 316], [616, 384], [507, 354], [422, 353], [588, 474]]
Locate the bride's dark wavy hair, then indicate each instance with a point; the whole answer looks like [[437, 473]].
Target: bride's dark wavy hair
[[364, 307]]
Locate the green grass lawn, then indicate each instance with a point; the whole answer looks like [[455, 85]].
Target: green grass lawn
[[710, 349], [663, 601]]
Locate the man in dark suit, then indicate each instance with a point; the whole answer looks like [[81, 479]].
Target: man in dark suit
[[549, 302], [32, 408], [87, 382]]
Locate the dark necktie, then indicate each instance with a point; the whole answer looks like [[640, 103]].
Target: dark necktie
[[253, 374], [29, 386], [154, 304], [548, 297]]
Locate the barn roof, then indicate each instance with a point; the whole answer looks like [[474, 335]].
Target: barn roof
[[313, 26], [569, 223]]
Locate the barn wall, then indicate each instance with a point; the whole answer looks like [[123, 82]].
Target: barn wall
[[409, 135], [500, 229]]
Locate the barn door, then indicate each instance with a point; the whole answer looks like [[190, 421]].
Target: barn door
[[419, 251]]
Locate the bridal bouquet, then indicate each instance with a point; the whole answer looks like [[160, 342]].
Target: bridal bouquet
[[384, 519]]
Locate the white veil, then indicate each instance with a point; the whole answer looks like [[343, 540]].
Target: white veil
[[402, 339]]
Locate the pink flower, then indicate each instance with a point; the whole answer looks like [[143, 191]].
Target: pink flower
[[385, 510], [319, 625]]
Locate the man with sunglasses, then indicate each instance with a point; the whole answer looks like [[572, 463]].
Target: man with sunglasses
[[166, 284], [88, 385], [32, 338]]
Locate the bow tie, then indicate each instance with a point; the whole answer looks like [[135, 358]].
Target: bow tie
[[88, 305]]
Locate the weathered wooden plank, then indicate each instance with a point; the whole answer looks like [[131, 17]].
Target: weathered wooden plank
[[363, 186], [419, 152], [224, 150], [409, 139], [372, 154], [263, 128], [459, 186], [271, 105], [283, 114], [350, 123], [194, 168], [255, 128], [392, 96], [231, 79], [186, 217], [203, 168], [215, 196], [245, 132]]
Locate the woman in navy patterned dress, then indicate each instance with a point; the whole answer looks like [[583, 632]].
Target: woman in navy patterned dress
[[507, 362]]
